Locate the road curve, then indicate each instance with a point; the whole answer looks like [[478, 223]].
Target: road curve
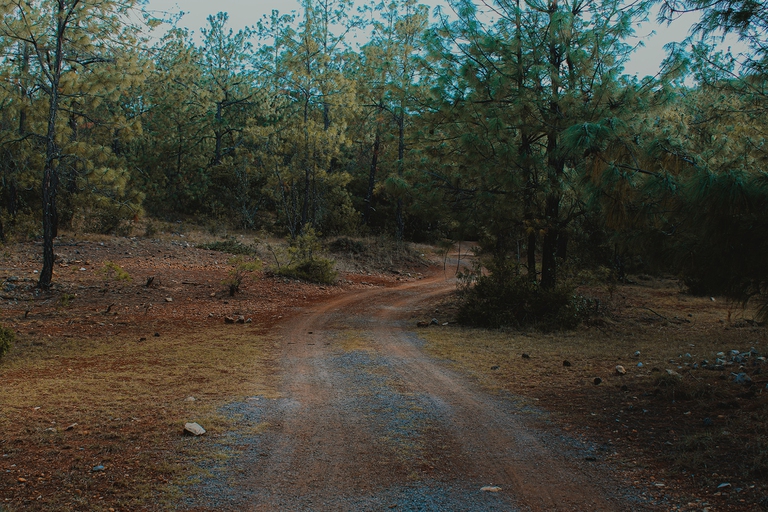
[[368, 421]]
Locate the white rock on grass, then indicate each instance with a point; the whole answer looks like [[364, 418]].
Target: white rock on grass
[[193, 429]]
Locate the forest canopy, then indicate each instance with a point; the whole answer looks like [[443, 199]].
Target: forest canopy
[[519, 129]]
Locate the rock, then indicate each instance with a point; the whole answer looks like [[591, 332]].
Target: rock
[[620, 370], [193, 429], [241, 319], [724, 485], [490, 488], [157, 335], [444, 324], [434, 322], [229, 320], [495, 367], [249, 320], [566, 363], [98, 468], [636, 354], [673, 373], [597, 381], [742, 378], [190, 399], [526, 356], [213, 294], [169, 299], [422, 323], [640, 365], [210, 315]]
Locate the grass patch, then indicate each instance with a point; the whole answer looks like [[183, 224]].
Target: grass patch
[[230, 246], [120, 404]]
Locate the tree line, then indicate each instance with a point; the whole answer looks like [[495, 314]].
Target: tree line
[[516, 126]]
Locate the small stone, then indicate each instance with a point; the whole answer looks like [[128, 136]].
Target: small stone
[[241, 319], [742, 378], [169, 299], [213, 294], [434, 322], [490, 488], [620, 370], [724, 485], [229, 320], [157, 335], [422, 323], [636, 354], [495, 367], [444, 324], [640, 365], [249, 320], [526, 356], [567, 363], [71, 426], [597, 381], [673, 373], [98, 468], [210, 315], [190, 399], [193, 429], [142, 339], [22, 480]]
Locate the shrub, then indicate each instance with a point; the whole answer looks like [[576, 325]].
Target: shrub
[[305, 264], [506, 298], [113, 271], [7, 337], [241, 268], [318, 270], [231, 246], [346, 245]]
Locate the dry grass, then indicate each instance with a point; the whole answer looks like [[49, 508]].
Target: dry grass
[[698, 423], [118, 403]]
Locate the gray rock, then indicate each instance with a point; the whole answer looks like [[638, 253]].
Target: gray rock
[[637, 353], [193, 429], [241, 319], [229, 320], [640, 365], [742, 378], [98, 468], [434, 322], [620, 370]]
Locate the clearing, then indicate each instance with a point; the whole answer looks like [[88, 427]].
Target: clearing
[[331, 398]]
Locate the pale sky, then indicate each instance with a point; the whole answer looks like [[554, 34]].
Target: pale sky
[[644, 62]]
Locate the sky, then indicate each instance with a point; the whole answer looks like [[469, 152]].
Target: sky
[[645, 61]]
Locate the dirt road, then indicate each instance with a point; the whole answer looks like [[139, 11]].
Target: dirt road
[[368, 421]]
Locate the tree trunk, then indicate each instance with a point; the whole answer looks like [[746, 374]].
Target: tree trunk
[[50, 173], [372, 178], [400, 223]]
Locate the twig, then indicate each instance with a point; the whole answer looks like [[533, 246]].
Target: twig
[[655, 313]]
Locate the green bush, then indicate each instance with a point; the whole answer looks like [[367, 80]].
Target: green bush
[[318, 270], [241, 267], [509, 299], [305, 264], [7, 337]]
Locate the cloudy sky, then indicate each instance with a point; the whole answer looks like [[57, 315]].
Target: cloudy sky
[[241, 13]]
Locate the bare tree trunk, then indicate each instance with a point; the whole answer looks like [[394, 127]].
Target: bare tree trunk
[[372, 178], [50, 173]]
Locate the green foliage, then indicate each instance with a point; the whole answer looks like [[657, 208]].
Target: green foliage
[[7, 337], [114, 272], [507, 298], [230, 245], [305, 263], [241, 267], [347, 245]]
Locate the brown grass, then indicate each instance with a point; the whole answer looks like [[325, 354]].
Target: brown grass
[[698, 430], [119, 403]]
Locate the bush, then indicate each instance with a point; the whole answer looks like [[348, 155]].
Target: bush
[[7, 337], [240, 268], [509, 299], [230, 245], [305, 264], [318, 270]]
